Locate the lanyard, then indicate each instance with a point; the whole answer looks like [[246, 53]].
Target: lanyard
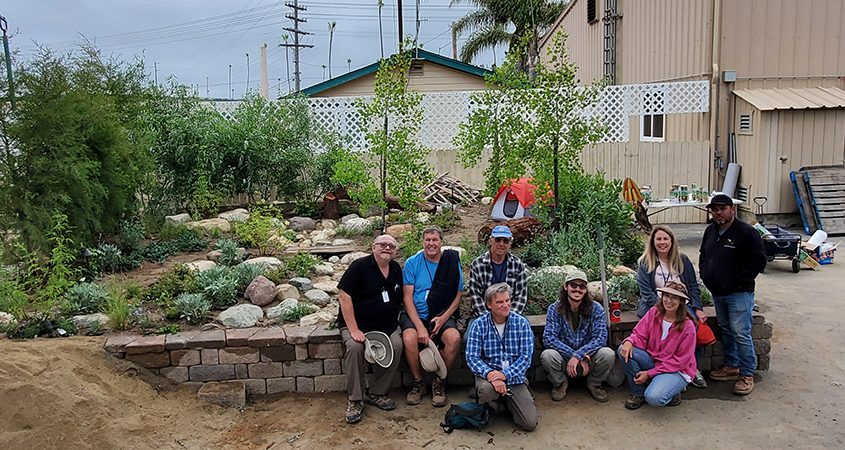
[[430, 276], [502, 337]]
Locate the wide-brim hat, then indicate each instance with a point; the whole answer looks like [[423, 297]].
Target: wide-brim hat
[[378, 349], [673, 291], [432, 361]]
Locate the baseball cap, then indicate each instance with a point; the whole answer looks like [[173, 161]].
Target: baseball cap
[[719, 200], [501, 231], [576, 275]]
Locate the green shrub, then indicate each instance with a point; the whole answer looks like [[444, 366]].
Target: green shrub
[[446, 219], [625, 289], [299, 311], [186, 241], [190, 241], [169, 231], [255, 232], [85, 298], [228, 252], [117, 308], [472, 251], [245, 273], [219, 285], [278, 275], [132, 232], [301, 264], [108, 258], [192, 307], [575, 245], [706, 295], [178, 280], [13, 299], [171, 328], [543, 290], [412, 241], [66, 324]]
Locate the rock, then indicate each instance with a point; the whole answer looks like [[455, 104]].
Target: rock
[[324, 269], [88, 321], [340, 242], [285, 291], [317, 297], [278, 241], [304, 284], [305, 243], [323, 237], [334, 259], [299, 237], [282, 308], [349, 257], [269, 262], [397, 231], [320, 279], [201, 265], [210, 225], [423, 217], [328, 224], [7, 319], [561, 270], [359, 225], [486, 200], [302, 224], [329, 287], [228, 394], [177, 219], [594, 289], [241, 316], [349, 217], [214, 255], [623, 270], [323, 316], [261, 291], [235, 215], [460, 250]]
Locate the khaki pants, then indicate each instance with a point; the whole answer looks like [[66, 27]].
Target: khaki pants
[[382, 377], [520, 403], [600, 364]]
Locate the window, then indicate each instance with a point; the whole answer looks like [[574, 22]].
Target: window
[[591, 11], [652, 125], [745, 124]]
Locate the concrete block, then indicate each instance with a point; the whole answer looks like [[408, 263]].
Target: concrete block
[[762, 331], [241, 371], [230, 394], [239, 337], [239, 355], [281, 353], [255, 387], [304, 384], [193, 386], [298, 335], [330, 383], [117, 344], [145, 344], [178, 341], [332, 367], [177, 374], [323, 334], [209, 356], [757, 319], [326, 350], [208, 339], [268, 337], [277, 385], [704, 364], [308, 368], [762, 346], [265, 370], [150, 360], [217, 372], [301, 352], [763, 362], [185, 357], [717, 349]]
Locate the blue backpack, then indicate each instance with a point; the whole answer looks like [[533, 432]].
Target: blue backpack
[[467, 415]]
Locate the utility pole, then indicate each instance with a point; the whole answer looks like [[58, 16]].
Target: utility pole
[[8, 56], [247, 74], [454, 42], [231, 95], [349, 64], [380, 30], [155, 72], [399, 11], [265, 84], [206, 87], [332, 24], [296, 33]]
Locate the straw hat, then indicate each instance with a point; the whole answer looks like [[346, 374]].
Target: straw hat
[[675, 292], [377, 348], [432, 361]]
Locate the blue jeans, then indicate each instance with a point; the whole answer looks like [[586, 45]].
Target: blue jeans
[[733, 314], [660, 389]]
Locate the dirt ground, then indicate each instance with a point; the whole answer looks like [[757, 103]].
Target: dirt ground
[[69, 394]]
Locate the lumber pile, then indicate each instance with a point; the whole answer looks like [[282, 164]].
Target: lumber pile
[[445, 189]]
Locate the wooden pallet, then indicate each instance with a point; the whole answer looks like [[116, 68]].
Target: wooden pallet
[[826, 188], [802, 198]]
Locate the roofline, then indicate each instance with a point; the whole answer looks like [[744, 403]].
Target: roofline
[[421, 55], [557, 24]]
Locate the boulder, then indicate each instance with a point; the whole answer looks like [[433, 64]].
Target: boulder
[[460, 250], [349, 257], [562, 270], [269, 262], [359, 225], [235, 215], [285, 291], [423, 217], [486, 200], [87, 322], [334, 259], [341, 242], [214, 255], [177, 219], [302, 224], [623, 270], [349, 217], [278, 241], [329, 287], [594, 289], [323, 237], [201, 265], [228, 394], [241, 316], [282, 308], [328, 224], [317, 297], [323, 316], [302, 283], [397, 231], [210, 225], [7, 319], [261, 291], [324, 269]]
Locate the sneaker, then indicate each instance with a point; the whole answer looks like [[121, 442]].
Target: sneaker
[[724, 373], [559, 391], [438, 392], [676, 400], [699, 380], [598, 392], [634, 402], [744, 385], [354, 411], [416, 393], [382, 402]]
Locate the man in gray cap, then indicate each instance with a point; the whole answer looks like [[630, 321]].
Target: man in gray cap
[[731, 257], [497, 265], [370, 300]]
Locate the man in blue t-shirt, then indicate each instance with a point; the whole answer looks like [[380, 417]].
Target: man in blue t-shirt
[[433, 283]]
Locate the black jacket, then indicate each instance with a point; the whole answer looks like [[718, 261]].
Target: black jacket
[[730, 262], [444, 286]]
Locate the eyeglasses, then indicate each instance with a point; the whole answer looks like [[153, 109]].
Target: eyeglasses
[[582, 286], [502, 239], [386, 245]]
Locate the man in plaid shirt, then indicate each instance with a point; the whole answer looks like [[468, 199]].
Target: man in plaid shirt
[[497, 265], [499, 349]]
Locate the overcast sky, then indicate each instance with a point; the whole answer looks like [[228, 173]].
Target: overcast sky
[[197, 40]]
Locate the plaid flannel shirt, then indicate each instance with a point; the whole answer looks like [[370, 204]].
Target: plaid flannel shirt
[[485, 350], [481, 276], [590, 336]]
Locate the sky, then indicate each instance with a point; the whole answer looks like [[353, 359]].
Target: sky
[[195, 41]]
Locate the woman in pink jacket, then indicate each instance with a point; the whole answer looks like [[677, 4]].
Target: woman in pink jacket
[[659, 355]]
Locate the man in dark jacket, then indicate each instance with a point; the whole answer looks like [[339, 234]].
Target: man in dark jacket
[[732, 256]]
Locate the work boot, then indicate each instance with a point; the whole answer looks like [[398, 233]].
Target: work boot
[[354, 411], [416, 393], [382, 402], [676, 400], [699, 380], [598, 392], [724, 373], [634, 402], [559, 391], [744, 385], [438, 392]]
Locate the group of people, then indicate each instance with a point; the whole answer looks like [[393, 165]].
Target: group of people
[[417, 308]]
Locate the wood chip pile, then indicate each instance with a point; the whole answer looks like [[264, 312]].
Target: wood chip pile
[[445, 189]]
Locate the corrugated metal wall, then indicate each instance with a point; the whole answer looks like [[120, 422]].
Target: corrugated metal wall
[[585, 42]]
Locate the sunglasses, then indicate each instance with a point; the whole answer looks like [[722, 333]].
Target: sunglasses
[[386, 245], [502, 239], [582, 286]]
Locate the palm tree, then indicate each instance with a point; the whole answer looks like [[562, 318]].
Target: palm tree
[[506, 22], [332, 24]]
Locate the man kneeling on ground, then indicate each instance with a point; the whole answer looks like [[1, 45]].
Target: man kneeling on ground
[[499, 349]]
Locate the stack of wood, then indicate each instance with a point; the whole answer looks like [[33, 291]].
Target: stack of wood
[[445, 189], [524, 230]]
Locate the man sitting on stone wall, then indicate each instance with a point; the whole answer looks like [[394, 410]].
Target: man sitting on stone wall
[[497, 265]]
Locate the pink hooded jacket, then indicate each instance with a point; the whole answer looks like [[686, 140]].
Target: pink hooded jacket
[[674, 354]]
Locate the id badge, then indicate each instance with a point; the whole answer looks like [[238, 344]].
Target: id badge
[[505, 364], [384, 297]]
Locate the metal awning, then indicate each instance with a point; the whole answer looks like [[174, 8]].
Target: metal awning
[[793, 98]]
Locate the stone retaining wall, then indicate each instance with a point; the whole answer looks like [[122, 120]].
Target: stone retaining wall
[[310, 359]]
